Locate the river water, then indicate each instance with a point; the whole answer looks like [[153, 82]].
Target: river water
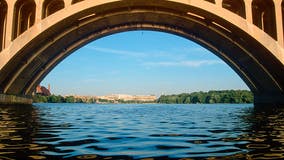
[[137, 131]]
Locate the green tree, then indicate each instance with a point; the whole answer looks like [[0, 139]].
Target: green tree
[[53, 99], [70, 99], [187, 100], [224, 96], [39, 99]]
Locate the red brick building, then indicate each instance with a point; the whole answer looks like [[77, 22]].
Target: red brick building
[[43, 91]]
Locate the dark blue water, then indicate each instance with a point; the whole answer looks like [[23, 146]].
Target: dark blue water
[[92, 131]]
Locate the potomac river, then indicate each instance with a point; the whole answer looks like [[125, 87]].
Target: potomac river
[[138, 131]]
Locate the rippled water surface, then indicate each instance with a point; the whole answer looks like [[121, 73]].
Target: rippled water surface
[[132, 131]]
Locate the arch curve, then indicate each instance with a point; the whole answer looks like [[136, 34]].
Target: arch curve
[[223, 34], [211, 1], [51, 6], [24, 16], [3, 18], [236, 6], [264, 16], [76, 1]]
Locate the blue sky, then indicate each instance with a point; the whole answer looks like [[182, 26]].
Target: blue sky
[[141, 63]]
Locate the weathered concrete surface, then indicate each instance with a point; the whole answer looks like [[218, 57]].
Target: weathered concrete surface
[[14, 100]]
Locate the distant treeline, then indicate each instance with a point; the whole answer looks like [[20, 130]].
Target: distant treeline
[[71, 99], [60, 99], [224, 96]]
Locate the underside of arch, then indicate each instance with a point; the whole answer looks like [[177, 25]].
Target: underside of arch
[[259, 69]]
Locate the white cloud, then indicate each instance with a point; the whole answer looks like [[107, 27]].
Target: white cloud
[[118, 52], [197, 63], [176, 56]]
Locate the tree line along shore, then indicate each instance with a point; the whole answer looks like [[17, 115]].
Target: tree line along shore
[[210, 97]]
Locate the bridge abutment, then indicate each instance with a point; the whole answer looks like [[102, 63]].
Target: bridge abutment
[[15, 100]]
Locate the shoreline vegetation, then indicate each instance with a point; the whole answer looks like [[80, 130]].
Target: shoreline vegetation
[[210, 97]]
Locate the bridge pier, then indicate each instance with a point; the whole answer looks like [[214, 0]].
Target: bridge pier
[[15, 100], [271, 100]]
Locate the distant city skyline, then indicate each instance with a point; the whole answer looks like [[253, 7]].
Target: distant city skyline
[[141, 63]]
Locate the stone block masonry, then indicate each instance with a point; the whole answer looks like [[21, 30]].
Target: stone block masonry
[[14, 100]]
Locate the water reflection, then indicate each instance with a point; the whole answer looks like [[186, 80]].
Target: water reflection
[[18, 125], [267, 134], [57, 131]]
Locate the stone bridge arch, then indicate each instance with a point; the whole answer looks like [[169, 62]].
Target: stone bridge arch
[[226, 28]]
